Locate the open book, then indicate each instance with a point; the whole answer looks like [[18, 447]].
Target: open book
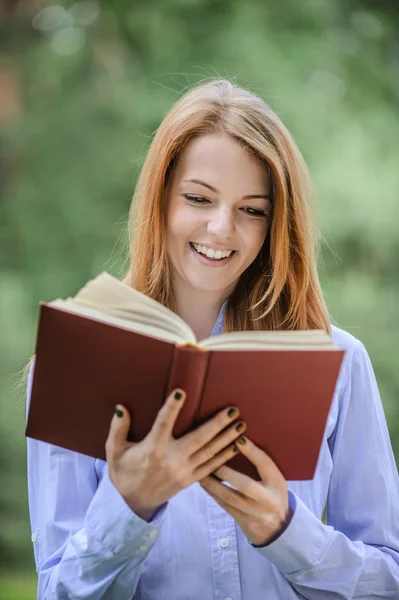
[[111, 344]]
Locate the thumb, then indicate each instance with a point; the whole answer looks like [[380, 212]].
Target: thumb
[[116, 441]]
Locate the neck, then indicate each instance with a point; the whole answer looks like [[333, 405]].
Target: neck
[[199, 310]]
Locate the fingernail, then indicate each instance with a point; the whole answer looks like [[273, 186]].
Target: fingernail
[[232, 412], [178, 395], [240, 427], [118, 412], [235, 449], [241, 440]]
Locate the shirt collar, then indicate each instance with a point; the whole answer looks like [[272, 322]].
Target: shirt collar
[[219, 325]]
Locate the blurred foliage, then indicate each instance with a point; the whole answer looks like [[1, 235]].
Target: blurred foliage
[[84, 85], [18, 587]]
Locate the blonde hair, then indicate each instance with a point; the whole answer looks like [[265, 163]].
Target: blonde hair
[[280, 289]]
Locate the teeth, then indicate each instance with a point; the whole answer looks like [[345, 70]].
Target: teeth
[[210, 253]]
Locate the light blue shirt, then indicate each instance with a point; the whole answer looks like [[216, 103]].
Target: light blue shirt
[[88, 544]]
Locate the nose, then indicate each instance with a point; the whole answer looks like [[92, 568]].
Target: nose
[[221, 223]]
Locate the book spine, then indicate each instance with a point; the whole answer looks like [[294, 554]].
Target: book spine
[[188, 371]]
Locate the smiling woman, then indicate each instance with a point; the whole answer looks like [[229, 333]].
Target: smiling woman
[[221, 234], [223, 165]]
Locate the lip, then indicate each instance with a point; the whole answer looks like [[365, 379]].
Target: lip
[[206, 261]]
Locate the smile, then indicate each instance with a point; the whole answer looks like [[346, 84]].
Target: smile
[[210, 252]]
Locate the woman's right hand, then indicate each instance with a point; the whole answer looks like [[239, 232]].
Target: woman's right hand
[[148, 473]]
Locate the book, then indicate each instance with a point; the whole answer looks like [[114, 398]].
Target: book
[[111, 344]]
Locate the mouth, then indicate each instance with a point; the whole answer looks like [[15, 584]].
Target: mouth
[[211, 256]]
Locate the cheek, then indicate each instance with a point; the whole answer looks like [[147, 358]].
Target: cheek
[[178, 231], [181, 224], [257, 238]]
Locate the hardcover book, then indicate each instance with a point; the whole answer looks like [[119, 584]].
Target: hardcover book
[[111, 344]]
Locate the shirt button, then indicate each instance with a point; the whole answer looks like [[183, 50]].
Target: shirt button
[[143, 548], [153, 533], [34, 537], [225, 543]]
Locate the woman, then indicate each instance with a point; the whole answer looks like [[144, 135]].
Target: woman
[[220, 233]]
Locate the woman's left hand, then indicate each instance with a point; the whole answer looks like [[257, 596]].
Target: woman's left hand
[[260, 508]]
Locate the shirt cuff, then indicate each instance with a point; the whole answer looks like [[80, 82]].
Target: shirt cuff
[[117, 527], [301, 544]]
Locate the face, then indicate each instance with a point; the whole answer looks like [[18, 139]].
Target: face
[[219, 211]]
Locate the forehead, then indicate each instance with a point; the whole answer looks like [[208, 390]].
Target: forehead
[[222, 161]]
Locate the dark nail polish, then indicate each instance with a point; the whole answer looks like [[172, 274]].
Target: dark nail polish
[[240, 427], [178, 396], [119, 413], [241, 440], [235, 449], [232, 412]]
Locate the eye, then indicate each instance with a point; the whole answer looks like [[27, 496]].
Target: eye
[[195, 199], [254, 212]]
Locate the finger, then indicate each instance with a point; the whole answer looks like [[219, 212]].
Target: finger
[[244, 484], [213, 485], [216, 445], [236, 514], [267, 468], [116, 441], [228, 498], [214, 463], [164, 423], [238, 480], [208, 431]]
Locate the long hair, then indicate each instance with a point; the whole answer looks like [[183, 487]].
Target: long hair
[[280, 289]]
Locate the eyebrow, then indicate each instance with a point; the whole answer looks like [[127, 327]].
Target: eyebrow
[[216, 191]]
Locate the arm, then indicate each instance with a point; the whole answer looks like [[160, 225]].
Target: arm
[[88, 544], [357, 554]]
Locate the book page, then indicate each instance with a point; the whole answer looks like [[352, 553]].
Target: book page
[[273, 340], [138, 327], [107, 298]]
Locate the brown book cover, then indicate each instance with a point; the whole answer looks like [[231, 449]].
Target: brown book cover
[[84, 367]]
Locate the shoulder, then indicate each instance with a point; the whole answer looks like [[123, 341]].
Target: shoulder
[[344, 340], [355, 353]]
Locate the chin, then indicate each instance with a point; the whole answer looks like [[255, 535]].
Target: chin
[[211, 287]]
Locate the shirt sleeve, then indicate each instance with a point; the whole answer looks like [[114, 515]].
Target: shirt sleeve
[[356, 555], [88, 543]]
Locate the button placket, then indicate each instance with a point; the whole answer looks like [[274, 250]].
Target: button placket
[[224, 551]]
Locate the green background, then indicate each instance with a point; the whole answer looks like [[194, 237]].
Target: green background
[[84, 85]]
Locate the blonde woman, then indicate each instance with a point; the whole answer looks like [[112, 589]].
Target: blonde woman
[[221, 234]]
